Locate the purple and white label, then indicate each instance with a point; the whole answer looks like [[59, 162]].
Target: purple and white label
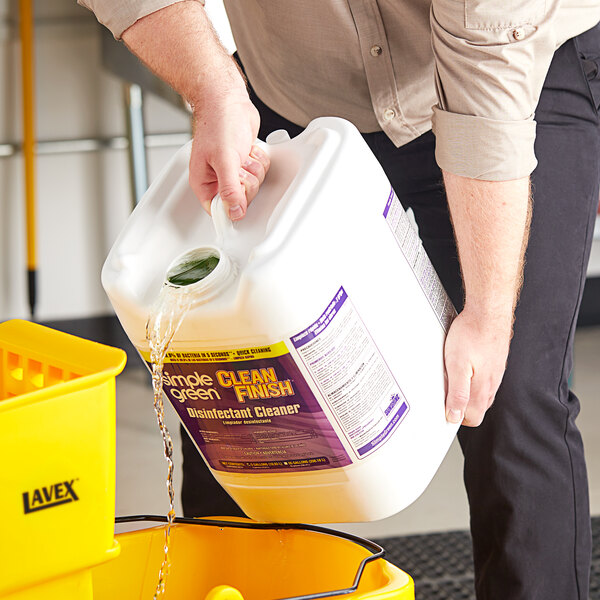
[[351, 374], [412, 248], [388, 204], [252, 411], [316, 328]]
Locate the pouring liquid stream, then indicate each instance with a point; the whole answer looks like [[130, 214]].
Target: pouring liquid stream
[[167, 314]]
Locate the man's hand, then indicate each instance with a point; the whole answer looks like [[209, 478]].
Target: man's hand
[[179, 44], [491, 224], [224, 158], [475, 356]]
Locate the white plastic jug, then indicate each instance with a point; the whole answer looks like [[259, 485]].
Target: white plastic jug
[[309, 371]]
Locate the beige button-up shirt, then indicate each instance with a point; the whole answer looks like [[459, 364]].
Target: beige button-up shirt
[[472, 70]]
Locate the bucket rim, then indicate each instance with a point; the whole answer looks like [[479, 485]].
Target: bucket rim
[[376, 550]]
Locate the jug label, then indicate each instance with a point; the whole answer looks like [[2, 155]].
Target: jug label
[[412, 248], [351, 374], [251, 410]]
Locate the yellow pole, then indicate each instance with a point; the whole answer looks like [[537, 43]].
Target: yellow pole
[[28, 94]]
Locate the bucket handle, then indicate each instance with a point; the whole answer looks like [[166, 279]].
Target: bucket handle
[[376, 549]]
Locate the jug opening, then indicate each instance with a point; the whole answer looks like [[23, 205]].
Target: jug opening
[[193, 266]]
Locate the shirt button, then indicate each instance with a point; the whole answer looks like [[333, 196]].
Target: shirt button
[[518, 33], [389, 114], [376, 50]]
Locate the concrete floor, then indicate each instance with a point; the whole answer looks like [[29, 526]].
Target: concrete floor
[[141, 468]]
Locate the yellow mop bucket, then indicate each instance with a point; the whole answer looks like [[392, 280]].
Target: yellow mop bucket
[[57, 453], [238, 559]]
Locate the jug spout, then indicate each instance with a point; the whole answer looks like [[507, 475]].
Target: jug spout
[[204, 271]]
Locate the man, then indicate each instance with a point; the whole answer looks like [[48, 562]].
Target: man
[[487, 68]]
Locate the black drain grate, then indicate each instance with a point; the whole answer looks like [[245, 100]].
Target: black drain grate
[[442, 567]]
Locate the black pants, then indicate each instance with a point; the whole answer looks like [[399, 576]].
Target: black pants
[[524, 469]]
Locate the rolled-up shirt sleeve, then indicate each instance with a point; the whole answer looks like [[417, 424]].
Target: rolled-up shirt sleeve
[[119, 15], [491, 59]]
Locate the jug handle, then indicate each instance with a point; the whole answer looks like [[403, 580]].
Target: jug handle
[[222, 223]]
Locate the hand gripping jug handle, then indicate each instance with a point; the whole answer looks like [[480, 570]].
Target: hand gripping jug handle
[[223, 225]]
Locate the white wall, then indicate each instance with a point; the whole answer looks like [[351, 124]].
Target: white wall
[[82, 199]]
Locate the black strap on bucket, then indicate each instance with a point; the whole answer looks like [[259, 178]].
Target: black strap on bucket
[[376, 550]]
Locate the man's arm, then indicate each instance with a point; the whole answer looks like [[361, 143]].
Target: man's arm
[[490, 65], [180, 45], [491, 224]]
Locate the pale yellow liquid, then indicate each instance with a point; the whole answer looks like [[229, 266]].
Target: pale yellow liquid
[[164, 321]]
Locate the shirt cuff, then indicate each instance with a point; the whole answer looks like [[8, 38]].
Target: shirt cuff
[[117, 16], [482, 148]]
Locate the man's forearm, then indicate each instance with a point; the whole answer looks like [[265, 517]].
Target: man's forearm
[[491, 224], [180, 45]]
